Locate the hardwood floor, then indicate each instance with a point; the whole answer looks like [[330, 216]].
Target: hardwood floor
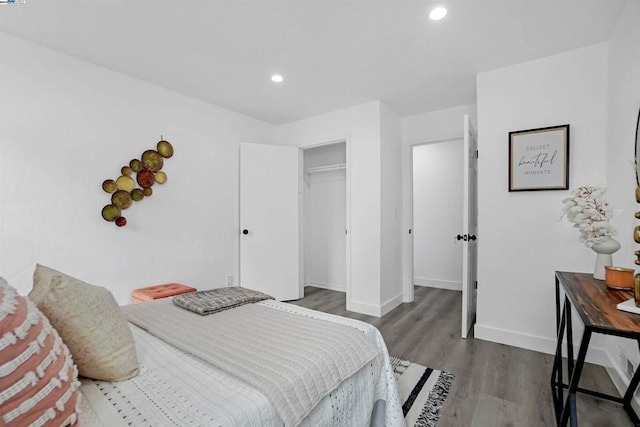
[[495, 384]]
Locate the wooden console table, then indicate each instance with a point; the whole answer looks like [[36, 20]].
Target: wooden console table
[[596, 306]]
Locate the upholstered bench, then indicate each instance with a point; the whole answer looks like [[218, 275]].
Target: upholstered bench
[[160, 291]]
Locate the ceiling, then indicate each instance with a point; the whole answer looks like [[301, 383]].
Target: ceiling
[[332, 53]]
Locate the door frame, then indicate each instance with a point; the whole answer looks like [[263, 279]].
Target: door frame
[[470, 228], [408, 276], [407, 190], [306, 146]]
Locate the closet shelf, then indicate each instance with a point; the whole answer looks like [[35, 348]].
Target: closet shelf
[[326, 168]]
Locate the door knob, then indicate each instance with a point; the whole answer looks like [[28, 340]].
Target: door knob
[[466, 237], [245, 231]]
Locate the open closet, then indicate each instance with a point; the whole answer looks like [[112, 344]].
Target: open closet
[[325, 216]]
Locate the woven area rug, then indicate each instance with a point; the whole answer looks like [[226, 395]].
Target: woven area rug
[[423, 391]]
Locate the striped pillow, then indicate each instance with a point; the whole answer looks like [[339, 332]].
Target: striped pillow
[[38, 380]]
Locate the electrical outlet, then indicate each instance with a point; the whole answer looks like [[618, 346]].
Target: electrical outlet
[[624, 361], [626, 364], [229, 280]]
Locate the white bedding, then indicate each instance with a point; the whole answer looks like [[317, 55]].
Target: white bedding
[[295, 360], [174, 388]]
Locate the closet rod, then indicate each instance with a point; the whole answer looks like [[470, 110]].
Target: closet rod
[[326, 168]]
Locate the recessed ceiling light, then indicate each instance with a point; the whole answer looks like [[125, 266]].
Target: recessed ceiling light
[[437, 13], [277, 78]]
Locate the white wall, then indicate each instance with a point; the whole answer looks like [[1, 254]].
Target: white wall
[[390, 208], [325, 218], [436, 125], [66, 126], [437, 214], [522, 240], [361, 127], [420, 129], [623, 105]]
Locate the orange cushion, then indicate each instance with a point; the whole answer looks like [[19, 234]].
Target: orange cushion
[[38, 380], [160, 291]]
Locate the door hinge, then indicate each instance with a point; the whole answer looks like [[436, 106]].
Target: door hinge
[[477, 157], [475, 284]]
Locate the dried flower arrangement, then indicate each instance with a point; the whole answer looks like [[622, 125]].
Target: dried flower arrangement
[[589, 211]]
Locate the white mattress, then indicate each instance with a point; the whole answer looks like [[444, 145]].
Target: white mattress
[[174, 388]]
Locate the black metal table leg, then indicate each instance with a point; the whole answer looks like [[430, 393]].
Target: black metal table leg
[[626, 400], [569, 409], [556, 374], [557, 390], [567, 310]]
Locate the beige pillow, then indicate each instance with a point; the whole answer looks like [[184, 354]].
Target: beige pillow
[[90, 322]]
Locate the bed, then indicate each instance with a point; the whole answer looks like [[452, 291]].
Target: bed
[[238, 368]]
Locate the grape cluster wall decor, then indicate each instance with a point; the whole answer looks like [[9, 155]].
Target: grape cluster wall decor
[[123, 190]]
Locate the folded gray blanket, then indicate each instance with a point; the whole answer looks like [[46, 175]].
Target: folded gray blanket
[[215, 300]]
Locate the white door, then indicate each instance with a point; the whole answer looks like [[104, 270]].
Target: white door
[[269, 220], [470, 228]]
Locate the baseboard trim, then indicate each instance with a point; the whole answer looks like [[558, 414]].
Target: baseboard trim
[[440, 284], [622, 382], [364, 308], [391, 304], [535, 343], [330, 287], [372, 309]]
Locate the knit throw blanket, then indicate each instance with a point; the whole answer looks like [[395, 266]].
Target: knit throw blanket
[[214, 300], [293, 360]]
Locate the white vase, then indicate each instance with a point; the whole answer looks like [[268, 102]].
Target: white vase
[[603, 257]]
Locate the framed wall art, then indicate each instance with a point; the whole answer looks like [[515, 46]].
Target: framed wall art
[[539, 159]]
